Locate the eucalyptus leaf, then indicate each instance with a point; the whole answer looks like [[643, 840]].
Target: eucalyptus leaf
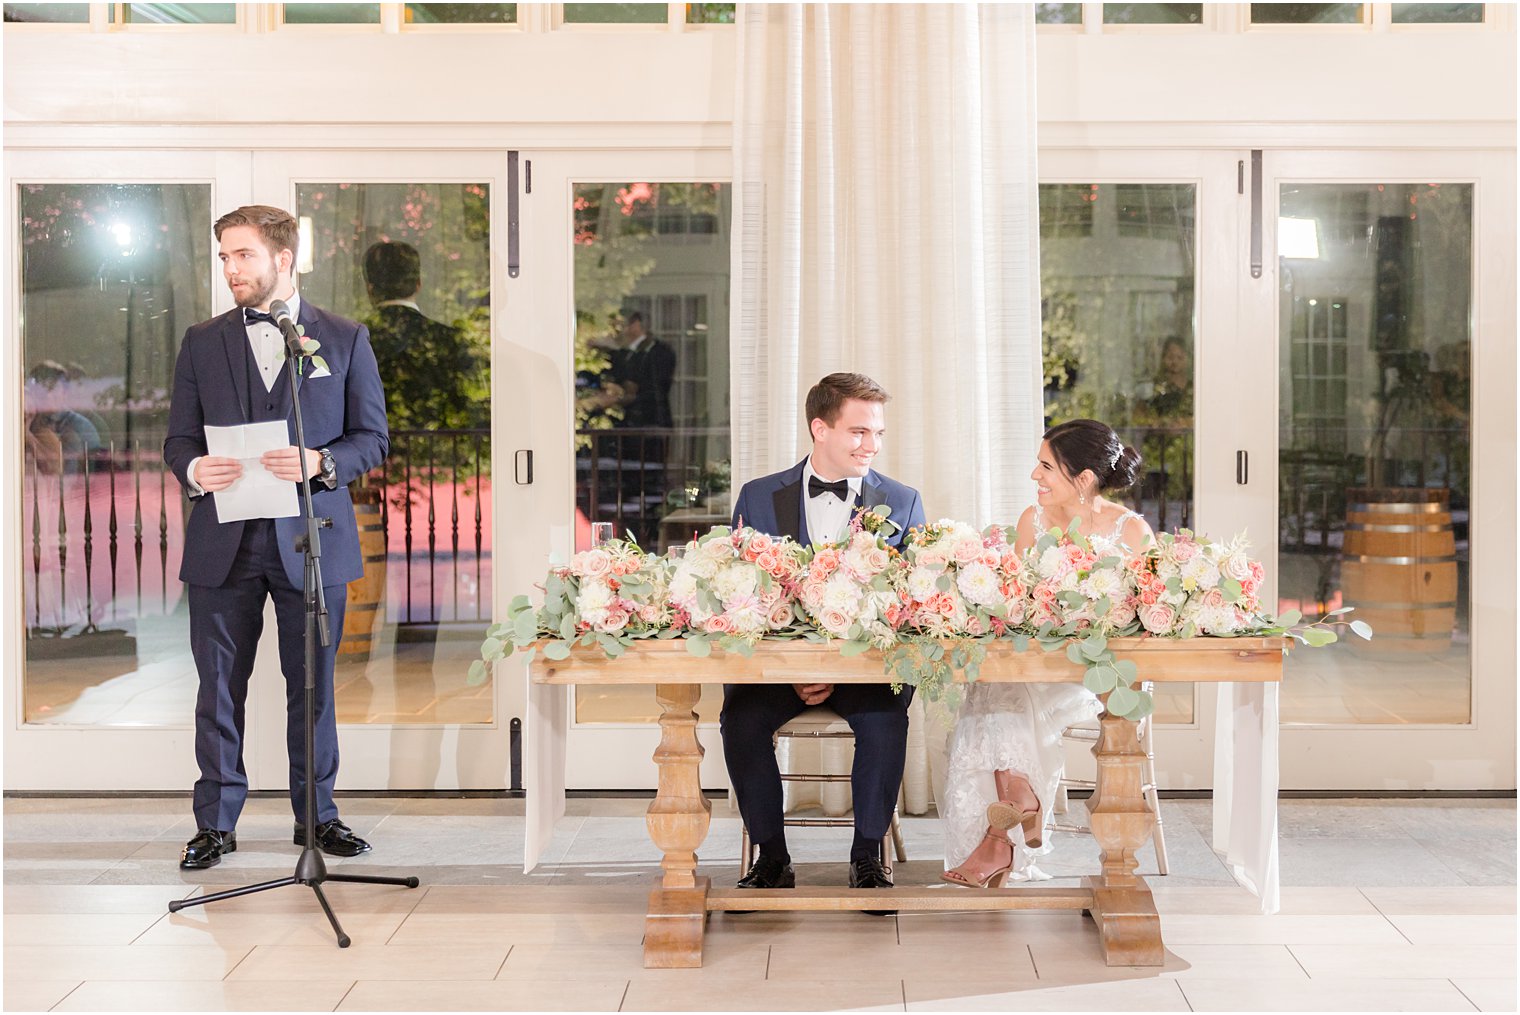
[[477, 674], [1319, 637], [567, 628], [853, 648], [524, 627], [1289, 619], [1121, 701], [699, 647], [1094, 646], [1077, 653], [1128, 671], [1339, 612], [491, 648], [1100, 679], [1361, 629], [556, 650]]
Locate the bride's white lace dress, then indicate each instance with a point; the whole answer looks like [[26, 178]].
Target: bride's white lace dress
[[1013, 727]]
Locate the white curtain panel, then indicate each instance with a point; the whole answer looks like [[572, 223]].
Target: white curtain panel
[[886, 222]]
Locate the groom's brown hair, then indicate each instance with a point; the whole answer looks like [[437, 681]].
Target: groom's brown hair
[[827, 397]]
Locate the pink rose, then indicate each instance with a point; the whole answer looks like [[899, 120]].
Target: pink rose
[[834, 621], [1015, 611], [1122, 613], [781, 615], [616, 620], [1158, 618], [1213, 598], [968, 550], [1183, 551], [877, 559], [934, 560], [719, 624], [593, 563], [649, 613]]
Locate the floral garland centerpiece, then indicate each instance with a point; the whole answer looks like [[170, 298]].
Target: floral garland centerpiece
[[848, 590], [609, 596], [733, 587]]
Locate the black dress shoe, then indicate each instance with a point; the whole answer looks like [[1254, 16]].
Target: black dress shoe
[[768, 872], [868, 872], [334, 838], [206, 849]]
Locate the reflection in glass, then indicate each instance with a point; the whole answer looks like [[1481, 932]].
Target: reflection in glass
[[1375, 448], [332, 14], [461, 14], [651, 357], [1117, 269], [412, 262], [710, 14], [57, 14], [1058, 14], [180, 14], [616, 14], [111, 276], [1152, 14], [1432, 14], [1306, 14]]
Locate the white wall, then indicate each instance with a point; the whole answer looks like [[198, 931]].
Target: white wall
[[643, 83]]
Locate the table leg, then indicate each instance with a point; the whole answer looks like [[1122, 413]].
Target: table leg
[[1121, 822], [678, 821]]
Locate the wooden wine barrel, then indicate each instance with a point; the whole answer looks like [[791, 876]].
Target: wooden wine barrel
[[1399, 569], [365, 594]]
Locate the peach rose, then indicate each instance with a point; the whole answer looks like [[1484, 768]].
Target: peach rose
[[968, 550], [719, 624], [593, 563], [1158, 618]]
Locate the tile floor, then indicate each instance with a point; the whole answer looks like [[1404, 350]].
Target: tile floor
[[1387, 905]]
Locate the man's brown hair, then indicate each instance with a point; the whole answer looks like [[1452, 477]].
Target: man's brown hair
[[827, 397], [276, 226]]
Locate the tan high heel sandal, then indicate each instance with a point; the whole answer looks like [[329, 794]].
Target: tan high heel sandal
[[1005, 815], [993, 879]]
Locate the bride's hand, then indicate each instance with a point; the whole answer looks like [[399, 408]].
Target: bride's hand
[[813, 694]]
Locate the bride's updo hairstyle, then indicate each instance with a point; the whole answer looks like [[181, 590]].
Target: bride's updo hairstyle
[[1083, 444]]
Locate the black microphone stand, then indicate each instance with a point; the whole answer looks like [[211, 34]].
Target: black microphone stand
[[311, 870]]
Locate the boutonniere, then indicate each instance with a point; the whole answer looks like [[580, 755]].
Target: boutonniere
[[309, 347], [875, 521]]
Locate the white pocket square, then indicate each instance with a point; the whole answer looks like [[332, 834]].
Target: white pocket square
[[319, 372]]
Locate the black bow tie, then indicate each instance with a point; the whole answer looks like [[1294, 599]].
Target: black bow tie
[[817, 487], [251, 316]]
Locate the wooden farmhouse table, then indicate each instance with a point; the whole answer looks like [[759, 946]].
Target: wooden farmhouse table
[[1117, 898]]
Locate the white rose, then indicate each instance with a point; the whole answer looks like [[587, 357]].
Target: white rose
[[1236, 565]]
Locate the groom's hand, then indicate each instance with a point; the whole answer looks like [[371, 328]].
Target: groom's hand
[[813, 694]]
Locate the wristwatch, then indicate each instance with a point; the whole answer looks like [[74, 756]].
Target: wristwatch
[[329, 473]]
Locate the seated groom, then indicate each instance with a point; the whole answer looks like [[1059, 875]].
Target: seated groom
[[814, 502]]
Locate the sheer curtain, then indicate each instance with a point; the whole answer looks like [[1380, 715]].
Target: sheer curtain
[[886, 214]]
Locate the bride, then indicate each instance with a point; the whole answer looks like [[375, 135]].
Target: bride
[[1005, 751]]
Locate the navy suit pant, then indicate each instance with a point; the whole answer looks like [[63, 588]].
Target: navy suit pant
[[752, 713], [225, 624]]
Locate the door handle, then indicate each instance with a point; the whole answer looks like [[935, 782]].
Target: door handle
[[522, 467], [1242, 467]]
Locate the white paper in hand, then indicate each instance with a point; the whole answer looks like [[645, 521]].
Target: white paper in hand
[[257, 493]]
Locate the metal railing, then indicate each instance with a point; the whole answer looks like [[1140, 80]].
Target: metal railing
[[103, 530]]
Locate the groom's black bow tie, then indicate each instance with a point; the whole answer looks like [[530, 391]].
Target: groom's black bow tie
[[252, 316], [817, 487]]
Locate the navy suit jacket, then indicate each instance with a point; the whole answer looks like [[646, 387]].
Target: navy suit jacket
[[774, 504], [344, 412]]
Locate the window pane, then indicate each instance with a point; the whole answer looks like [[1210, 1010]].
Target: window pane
[[412, 262], [1152, 14], [111, 276], [1117, 264], [461, 14], [1058, 14], [1431, 14], [710, 14], [73, 14], [652, 433], [1306, 14], [1376, 448], [624, 14], [181, 14], [332, 14]]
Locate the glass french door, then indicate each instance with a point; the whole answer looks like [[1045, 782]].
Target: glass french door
[[630, 311], [112, 260], [1138, 258], [414, 246], [1386, 312]]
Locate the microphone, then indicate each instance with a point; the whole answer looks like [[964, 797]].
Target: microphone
[[280, 311]]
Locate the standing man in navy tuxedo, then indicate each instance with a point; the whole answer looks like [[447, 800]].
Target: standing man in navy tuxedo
[[232, 370], [813, 502]]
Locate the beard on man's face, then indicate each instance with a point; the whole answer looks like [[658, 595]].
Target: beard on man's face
[[256, 291]]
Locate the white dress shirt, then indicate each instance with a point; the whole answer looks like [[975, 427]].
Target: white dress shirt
[[828, 517], [268, 347]]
